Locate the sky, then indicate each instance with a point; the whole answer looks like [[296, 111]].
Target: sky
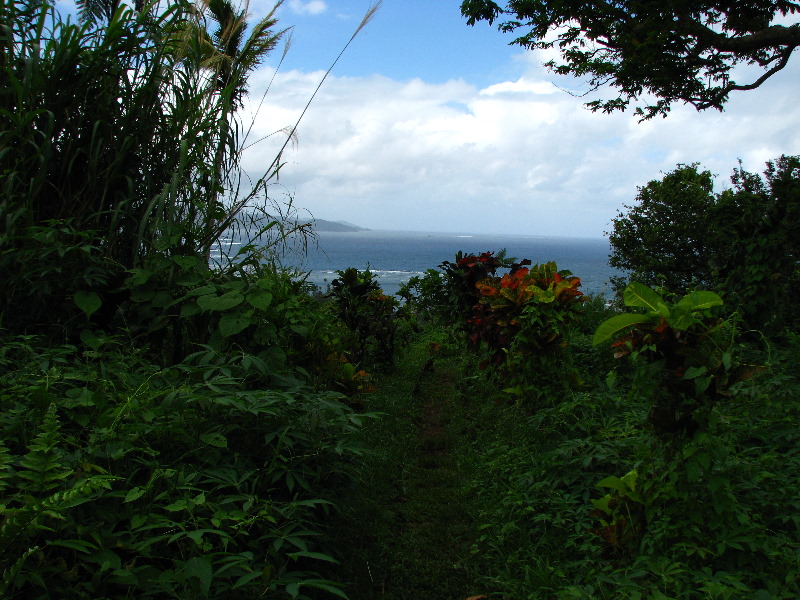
[[428, 124]]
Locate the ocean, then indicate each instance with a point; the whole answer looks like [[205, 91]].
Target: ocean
[[396, 257]]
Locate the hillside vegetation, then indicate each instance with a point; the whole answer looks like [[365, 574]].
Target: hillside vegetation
[[173, 427]]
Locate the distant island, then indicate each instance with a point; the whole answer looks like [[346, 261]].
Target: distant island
[[336, 226]]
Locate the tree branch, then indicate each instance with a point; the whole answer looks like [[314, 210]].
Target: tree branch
[[771, 37]]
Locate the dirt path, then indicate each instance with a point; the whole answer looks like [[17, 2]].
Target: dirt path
[[418, 545]]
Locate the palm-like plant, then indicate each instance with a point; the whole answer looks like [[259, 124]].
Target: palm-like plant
[[94, 11], [234, 55], [229, 55]]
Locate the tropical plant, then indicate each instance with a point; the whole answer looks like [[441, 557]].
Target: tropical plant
[[461, 276], [369, 314], [523, 320], [688, 353], [119, 477]]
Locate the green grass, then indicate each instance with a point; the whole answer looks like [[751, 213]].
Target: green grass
[[408, 523]]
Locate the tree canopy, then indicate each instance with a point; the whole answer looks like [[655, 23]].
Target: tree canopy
[[663, 239], [675, 50], [743, 241]]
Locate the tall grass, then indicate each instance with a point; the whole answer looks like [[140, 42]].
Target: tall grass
[[118, 141]]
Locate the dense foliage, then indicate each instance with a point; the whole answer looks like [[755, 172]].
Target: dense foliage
[[121, 478], [743, 241], [126, 145], [673, 50], [174, 426], [369, 315], [664, 239], [663, 468], [170, 426]]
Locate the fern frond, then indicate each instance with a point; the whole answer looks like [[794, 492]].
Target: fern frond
[[6, 469], [11, 573], [42, 466], [21, 520]]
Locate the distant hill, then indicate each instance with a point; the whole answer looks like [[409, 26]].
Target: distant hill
[[338, 226]]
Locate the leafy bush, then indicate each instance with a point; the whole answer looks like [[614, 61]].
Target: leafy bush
[[369, 314], [681, 235], [523, 320], [426, 296], [579, 500], [126, 143], [461, 277], [122, 478], [687, 353]]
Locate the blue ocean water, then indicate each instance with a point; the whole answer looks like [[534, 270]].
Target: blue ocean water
[[395, 257]]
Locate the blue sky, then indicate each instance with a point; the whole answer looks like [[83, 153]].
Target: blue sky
[[406, 39], [427, 124]]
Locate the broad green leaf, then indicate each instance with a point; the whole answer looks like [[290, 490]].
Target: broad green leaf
[[682, 319], [88, 302], [190, 279], [611, 379], [602, 503], [189, 310], [214, 439], [134, 494], [259, 299], [188, 262], [609, 328], [91, 339], [199, 567], [177, 505], [701, 384], [614, 483], [541, 296], [637, 294], [220, 303], [300, 330], [202, 291], [79, 545], [232, 323], [328, 586], [693, 372], [700, 300], [245, 579], [106, 559], [630, 478], [138, 277], [138, 520]]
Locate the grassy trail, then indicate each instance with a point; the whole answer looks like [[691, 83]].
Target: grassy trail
[[410, 525]]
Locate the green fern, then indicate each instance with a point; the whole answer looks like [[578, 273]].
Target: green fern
[[6, 470], [10, 574], [20, 523], [42, 469]]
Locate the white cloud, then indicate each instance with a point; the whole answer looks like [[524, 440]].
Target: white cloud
[[308, 7], [522, 86], [409, 155]]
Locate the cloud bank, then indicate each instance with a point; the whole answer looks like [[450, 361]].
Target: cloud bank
[[518, 156]]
